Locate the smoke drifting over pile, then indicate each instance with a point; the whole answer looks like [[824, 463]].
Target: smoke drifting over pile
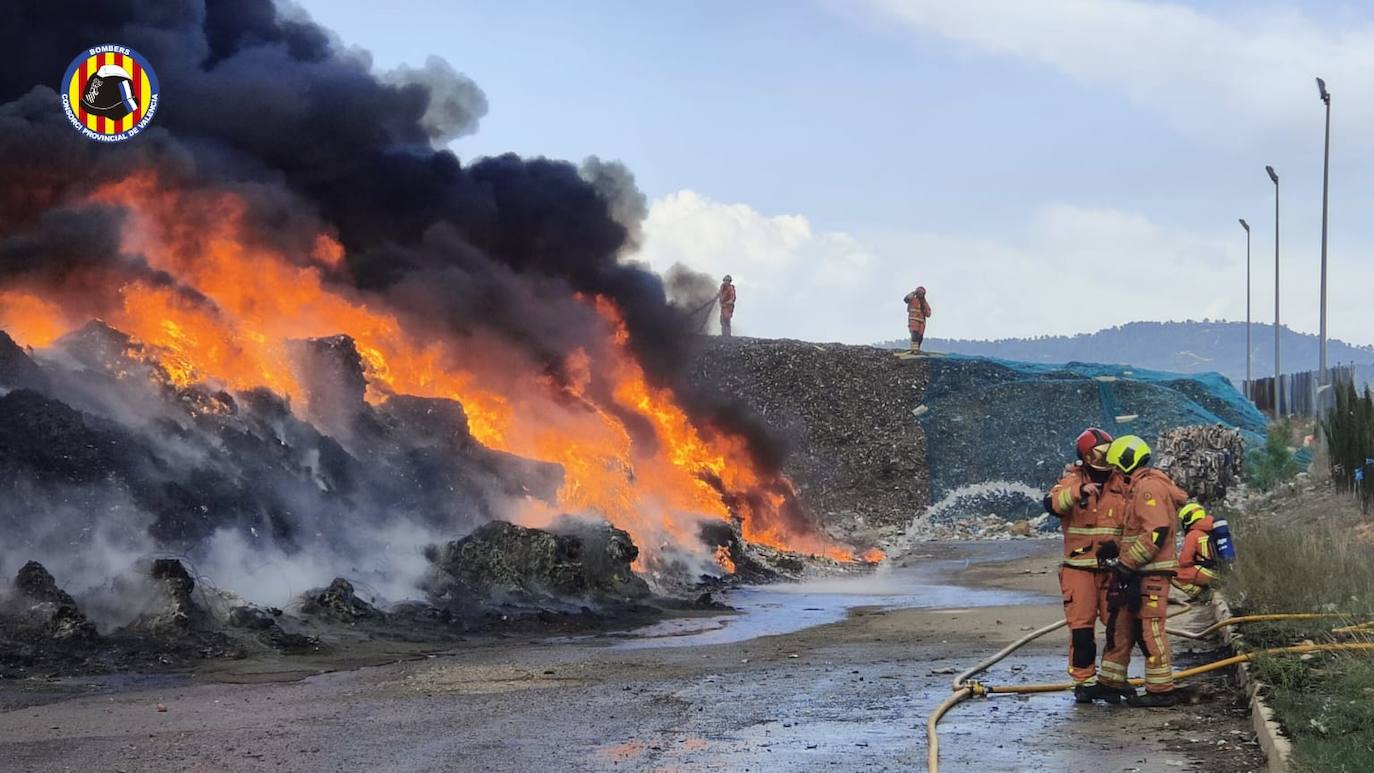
[[323, 342]]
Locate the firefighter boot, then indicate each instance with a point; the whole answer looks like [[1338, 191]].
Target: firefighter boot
[[1087, 693], [1112, 694], [1155, 700]]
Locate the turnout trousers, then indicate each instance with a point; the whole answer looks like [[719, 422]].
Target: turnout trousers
[[1128, 627], [1085, 602]]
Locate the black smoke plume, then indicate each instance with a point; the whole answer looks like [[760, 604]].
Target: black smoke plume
[[270, 103], [266, 104]]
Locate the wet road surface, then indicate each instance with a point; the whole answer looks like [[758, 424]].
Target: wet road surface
[[767, 690]]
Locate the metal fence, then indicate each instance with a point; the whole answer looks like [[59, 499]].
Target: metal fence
[[1299, 394]]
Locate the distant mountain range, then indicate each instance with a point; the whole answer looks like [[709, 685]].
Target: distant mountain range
[[1181, 347]]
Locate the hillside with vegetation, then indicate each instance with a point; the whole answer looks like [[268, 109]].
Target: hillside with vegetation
[[1179, 347]]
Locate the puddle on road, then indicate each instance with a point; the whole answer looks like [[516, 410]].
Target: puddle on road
[[769, 610]]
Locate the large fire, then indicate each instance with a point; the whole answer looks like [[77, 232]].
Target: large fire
[[256, 301]]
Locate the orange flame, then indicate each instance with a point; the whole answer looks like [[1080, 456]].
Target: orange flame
[[255, 301]]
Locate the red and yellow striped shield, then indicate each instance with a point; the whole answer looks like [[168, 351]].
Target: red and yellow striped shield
[[109, 92]]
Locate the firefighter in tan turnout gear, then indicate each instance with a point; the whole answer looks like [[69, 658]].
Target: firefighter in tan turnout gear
[[1090, 503], [1139, 597], [726, 296], [917, 310]]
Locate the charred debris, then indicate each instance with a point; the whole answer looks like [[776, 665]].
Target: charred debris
[[102, 453]]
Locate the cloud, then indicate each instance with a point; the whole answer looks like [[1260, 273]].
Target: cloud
[[1069, 269], [1255, 67], [783, 267]]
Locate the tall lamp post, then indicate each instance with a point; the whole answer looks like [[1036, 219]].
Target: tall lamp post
[[1326, 170], [1249, 376], [1278, 387]]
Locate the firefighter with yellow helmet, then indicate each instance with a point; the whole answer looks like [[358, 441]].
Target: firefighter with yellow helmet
[[1138, 609], [1198, 563]]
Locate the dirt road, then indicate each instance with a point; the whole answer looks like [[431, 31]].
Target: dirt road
[[850, 693]]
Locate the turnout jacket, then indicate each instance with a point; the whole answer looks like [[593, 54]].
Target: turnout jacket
[[1087, 523], [917, 309], [1147, 535]]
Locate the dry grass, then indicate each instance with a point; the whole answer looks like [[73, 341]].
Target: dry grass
[[1311, 555], [1308, 565]]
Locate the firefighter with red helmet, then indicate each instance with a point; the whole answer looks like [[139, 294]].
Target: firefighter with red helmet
[[1138, 599], [1090, 504]]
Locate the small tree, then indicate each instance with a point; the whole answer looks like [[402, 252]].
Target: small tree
[[1272, 463], [1349, 434]]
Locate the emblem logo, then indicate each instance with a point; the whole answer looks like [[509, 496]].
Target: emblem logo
[[109, 93]]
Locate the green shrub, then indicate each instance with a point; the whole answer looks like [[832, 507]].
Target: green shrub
[[1273, 463]]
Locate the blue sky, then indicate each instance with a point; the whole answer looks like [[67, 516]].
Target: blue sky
[[1048, 167]]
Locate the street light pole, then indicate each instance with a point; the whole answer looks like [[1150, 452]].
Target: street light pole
[[1278, 387], [1326, 170], [1249, 376]]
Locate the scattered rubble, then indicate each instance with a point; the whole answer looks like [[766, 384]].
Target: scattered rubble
[[339, 603], [43, 628], [49, 607], [170, 609], [571, 562]]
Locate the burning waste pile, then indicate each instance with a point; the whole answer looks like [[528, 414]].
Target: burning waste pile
[[298, 343]]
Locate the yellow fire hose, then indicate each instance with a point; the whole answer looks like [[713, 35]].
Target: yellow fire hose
[[1356, 628], [964, 688], [1209, 630]]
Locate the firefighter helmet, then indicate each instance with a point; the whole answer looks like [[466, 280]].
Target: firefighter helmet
[[1088, 442], [108, 93], [1128, 453], [1191, 514], [921, 291], [727, 279]]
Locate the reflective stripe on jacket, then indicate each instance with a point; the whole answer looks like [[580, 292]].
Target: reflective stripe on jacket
[[1197, 562], [1147, 541], [1087, 527], [916, 310]]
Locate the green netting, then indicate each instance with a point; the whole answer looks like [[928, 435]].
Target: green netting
[[991, 420]]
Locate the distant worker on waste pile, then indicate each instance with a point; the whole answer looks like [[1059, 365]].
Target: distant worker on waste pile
[[1138, 600], [1198, 563], [1089, 502], [726, 296], [917, 310]]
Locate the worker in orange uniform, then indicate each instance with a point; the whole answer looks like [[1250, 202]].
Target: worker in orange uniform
[[1197, 561], [917, 310], [726, 296], [1138, 600], [1089, 504]]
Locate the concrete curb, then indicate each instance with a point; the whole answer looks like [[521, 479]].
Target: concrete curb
[[1277, 748]]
